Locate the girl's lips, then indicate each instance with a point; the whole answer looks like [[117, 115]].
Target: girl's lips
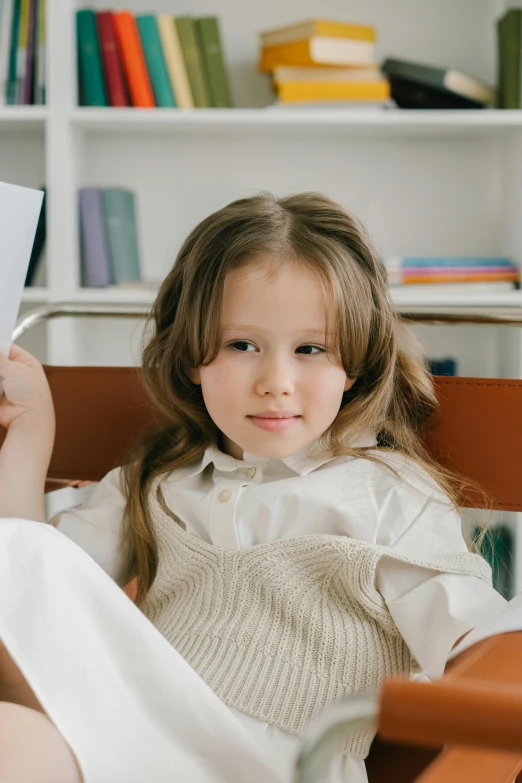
[[273, 425]]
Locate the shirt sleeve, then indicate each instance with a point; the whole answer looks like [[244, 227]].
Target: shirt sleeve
[[95, 525], [432, 610]]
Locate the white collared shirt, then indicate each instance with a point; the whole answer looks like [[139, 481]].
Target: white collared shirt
[[237, 504]]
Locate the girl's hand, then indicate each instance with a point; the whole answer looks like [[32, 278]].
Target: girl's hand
[[26, 397]]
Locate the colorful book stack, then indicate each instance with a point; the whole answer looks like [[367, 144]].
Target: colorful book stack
[[509, 69], [448, 269], [320, 61], [109, 238], [417, 86], [22, 52], [150, 60]]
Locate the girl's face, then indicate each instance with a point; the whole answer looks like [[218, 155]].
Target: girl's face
[[272, 361]]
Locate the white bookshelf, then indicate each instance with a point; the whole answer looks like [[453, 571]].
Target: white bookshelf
[[435, 182]]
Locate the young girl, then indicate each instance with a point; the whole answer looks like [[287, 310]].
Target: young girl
[[290, 538]]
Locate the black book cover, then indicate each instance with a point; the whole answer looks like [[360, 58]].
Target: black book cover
[[412, 95], [39, 241]]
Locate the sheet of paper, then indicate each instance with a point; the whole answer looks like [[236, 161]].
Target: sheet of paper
[[19, 211]]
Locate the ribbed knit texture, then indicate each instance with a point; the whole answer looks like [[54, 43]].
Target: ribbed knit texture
[[283, 629]]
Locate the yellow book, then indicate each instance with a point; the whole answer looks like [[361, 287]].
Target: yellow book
[[310, 27], [21, 54], [318, 73], [174, 61], [318, 51], [290, 92]]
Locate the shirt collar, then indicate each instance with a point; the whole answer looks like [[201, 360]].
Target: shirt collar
[[302, 461]]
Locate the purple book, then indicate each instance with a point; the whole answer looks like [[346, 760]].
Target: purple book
[[95, 257], [29, 62]]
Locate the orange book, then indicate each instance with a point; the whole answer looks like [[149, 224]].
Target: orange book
[[133, 60], [464, 278]]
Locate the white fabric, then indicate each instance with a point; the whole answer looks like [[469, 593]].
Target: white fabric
[[315, 494], [130, 707]]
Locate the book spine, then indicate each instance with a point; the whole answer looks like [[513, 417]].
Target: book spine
[[38, 244], [174, 61], [21, 54], [450, 261], [15, 26], [334, 91], [5, 33], [209, 35], [96, 272], [153, 52], [193, 61], [91, 74], [465, 278], [133, 60], [459, 270], [40, 55], [112, 66], [29, 63], [120, 221]]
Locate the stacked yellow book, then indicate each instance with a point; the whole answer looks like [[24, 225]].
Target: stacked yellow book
[[323, 61]]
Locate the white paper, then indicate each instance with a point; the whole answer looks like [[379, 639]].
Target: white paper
[[19, 213], [510, 619]]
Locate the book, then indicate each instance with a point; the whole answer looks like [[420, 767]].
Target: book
[[444, 79], [6, 21], [111, 60], [39, 66], [418, 291], [27, 89], [193, 57], [318, 50], [290, 73], [122, 237], [19, 212], [447, 367], [210, 41], [322, 27], [92, 85], [406, 262], [334, 91], [477, 277], [21, 54], [13, 50], [509, 59], [39, 242], [413, 95], [153, 52], [95, 262], [174, 61], [496, 546], [134, 65]]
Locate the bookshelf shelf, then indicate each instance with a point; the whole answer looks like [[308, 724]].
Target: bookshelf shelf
[[22, 118], [36, 294], [434, 123]]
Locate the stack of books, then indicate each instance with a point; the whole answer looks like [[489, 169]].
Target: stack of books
[[509, 47], [417, 86], [320, 61], [150, 60], [467, 270], [109, 237], [22, 52]]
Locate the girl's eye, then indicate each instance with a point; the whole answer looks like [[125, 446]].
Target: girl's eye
[[242, 346]]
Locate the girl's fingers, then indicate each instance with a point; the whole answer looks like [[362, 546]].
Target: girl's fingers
[[18, 354]]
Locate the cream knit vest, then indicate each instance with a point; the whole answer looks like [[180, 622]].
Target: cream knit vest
[[282, 629]]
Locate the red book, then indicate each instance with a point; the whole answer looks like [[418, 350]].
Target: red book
[[112, 67], [129, 44]]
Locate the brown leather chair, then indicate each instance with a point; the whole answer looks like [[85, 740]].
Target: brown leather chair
[[467, 727]]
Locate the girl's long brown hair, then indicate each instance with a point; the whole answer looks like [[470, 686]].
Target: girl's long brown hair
[[392, 396]]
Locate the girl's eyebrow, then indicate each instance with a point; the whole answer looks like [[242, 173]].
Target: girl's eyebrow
[[252, 328]]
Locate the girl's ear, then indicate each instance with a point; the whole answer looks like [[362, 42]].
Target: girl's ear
[[194, 376], [349, 382]]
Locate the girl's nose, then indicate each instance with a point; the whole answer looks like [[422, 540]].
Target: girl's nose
[[275, 377]]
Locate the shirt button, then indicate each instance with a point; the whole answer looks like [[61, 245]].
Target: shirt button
[[224, 495]]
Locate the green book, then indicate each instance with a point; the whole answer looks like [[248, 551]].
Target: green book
[[209, 35], [151, 44], [496, 546], [509, 41], [194, 62], [122, 237], [13, 53], [92, 86]]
